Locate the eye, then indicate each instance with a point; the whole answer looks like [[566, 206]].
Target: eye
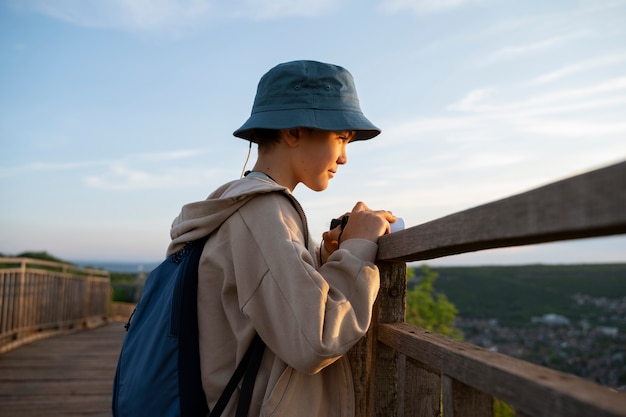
[[348, 136], [345, 136]]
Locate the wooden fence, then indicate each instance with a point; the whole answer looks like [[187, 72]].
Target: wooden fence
[[402, 370], [40, 298], [399, 370]]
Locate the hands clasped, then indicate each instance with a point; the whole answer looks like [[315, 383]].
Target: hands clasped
[[363, 223]]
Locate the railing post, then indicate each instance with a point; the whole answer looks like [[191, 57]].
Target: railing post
[[21, 288], [419, 389], [39, 298], [462, 400], [87, 300], [375, 366]]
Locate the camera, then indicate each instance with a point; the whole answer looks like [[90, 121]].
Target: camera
[[394, 227], [339, 222]]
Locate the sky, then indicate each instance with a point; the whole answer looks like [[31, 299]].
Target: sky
[[113, 114]]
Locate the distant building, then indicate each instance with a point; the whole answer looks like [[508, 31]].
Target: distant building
[[551, 319], [608, 331]]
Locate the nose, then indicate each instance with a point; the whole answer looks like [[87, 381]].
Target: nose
[[343, 156]]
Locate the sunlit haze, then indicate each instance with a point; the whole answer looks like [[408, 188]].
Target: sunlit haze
[[113, 114]]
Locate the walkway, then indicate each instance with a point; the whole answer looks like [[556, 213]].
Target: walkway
[[65, 376]]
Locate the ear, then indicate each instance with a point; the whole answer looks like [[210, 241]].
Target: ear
[[291, 136]]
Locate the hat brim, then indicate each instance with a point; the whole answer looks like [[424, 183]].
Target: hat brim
[[332, 120]]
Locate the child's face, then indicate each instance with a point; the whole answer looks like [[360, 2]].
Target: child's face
[[320, 154]]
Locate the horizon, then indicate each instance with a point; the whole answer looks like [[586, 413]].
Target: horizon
[[113, 115], [147, 267]]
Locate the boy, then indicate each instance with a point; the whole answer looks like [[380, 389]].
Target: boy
[[259, 272]]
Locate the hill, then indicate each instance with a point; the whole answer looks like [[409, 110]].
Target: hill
[[583, 334], [515, 294], [120, 267]]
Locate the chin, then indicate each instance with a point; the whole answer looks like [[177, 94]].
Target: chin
[[317, 187]]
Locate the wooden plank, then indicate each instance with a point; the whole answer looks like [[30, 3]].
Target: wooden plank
[[36, 300], [392, 298], [530, 389], [121, 311], [362, 364], [374, 366], [421, 393], [70, 375], [30, 264], [460, 400], [588, 205]]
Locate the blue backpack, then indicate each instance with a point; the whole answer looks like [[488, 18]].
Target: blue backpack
[[158, 371]]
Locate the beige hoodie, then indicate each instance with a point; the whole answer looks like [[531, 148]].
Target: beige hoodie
[[258, 273]]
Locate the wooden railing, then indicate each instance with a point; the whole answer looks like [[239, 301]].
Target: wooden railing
[[121, 311], [402, 370], [399, 370], [40, 298]]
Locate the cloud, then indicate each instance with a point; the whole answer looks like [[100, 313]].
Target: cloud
[[114, 165], [123, 178], [46, 167], [275, 9], [169, 15], [495, 115], [170, 155], [128, 14], [559, 101], [583, 66], [515, 51], [574, 128], [422, 7], [153, 170]]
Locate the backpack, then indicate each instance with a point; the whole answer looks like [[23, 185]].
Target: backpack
[[158, 371]]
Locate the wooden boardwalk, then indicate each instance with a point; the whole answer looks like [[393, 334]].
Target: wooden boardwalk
[[69, 375]]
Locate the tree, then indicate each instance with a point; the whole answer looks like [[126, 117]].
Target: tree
[[433, 311], [428, 309], [42, 256]]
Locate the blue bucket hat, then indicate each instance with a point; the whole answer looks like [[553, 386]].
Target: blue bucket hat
[[307, 94]]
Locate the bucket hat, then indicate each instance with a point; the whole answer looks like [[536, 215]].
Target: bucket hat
[[307, 94]]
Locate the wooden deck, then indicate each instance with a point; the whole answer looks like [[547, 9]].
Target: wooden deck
[[69, 375]]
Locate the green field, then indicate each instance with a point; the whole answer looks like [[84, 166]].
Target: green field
[[514, 294]]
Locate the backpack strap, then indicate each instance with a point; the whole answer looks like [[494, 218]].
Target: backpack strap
[[249, 366], [245, 398]]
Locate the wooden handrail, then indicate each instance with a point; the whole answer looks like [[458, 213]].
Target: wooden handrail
[[42, 298], [399, 369], [530, 389], [23, 263], [588, 205], [402, 370]]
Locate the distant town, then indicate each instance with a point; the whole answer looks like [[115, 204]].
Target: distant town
[[594, 352]]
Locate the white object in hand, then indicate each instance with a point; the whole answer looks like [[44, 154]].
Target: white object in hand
[[397, 225]]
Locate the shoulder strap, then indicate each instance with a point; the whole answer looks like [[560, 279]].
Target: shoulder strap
[[250, 366], [245, 398]]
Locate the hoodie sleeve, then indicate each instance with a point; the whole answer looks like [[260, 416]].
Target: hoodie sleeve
[[308, 317]]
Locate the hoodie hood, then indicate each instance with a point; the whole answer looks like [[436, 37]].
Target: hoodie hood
[[199, 219]]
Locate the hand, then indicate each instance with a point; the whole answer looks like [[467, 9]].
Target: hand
[[363, 223]]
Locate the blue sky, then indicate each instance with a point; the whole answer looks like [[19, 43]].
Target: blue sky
[[113, 114]]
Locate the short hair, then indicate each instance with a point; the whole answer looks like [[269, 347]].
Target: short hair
[[266, 138]]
